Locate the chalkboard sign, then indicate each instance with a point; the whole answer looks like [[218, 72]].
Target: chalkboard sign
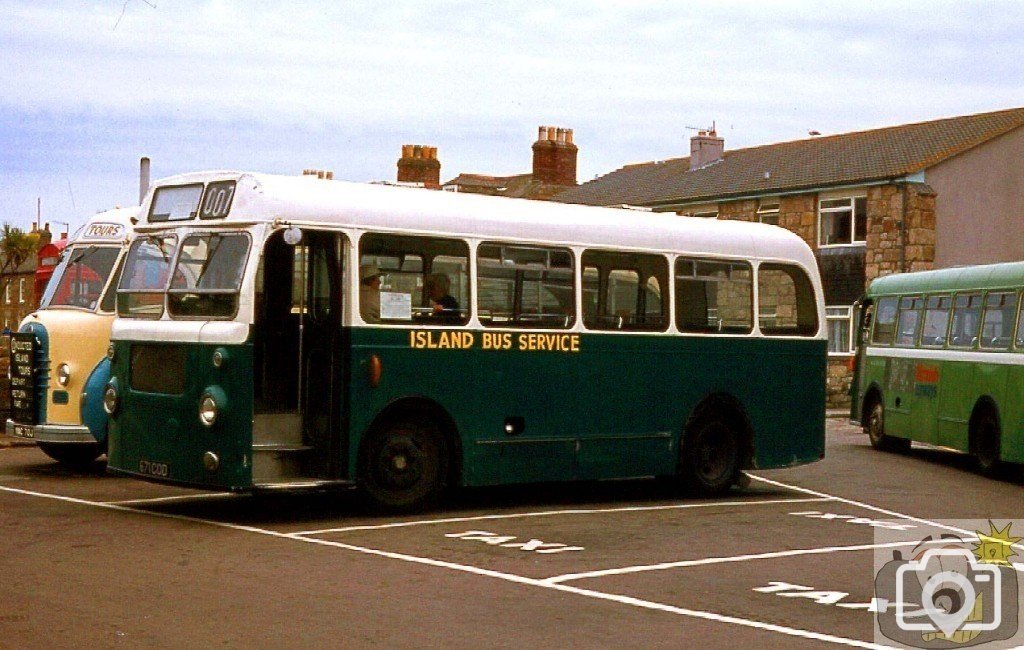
[[23, 378]]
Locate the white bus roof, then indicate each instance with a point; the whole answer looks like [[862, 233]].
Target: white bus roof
[[306, 200], [109, 226]]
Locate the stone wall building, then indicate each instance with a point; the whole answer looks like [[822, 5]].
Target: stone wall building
[[904, 198]]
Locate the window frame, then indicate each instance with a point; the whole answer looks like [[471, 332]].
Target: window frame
[[796, 332], [984, 316], [518, 286], [924, 320], [848, 316], [698, 259], [664, 281], [852, 198], [913, 306], [952, 318], [768, 208]]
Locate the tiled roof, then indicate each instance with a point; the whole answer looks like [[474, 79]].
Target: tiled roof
[[520, 186], [844, 159]]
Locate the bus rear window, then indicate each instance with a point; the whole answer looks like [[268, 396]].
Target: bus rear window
[[81, 276], [208, 275], [140, 293], [786, 301]]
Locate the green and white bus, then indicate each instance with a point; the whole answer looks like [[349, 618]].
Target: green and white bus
[[940, 360], [286, 332]]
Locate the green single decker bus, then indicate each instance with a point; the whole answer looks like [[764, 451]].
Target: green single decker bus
[[940, 360], [289, 332]]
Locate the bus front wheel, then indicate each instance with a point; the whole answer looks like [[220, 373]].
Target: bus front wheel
[[710, 456], [404, 464], [76, 456], [987, 445], [875, 428]]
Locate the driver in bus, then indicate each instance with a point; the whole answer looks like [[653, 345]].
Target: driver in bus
[[437, 286], [369, 293]]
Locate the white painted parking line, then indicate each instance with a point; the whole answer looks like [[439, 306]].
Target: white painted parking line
[[867, 506], [550, 513], [589, 593], [641, 568], [179, 497]]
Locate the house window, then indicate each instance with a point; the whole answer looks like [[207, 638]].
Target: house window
[[842, 221], [707, 211], [840, 329], [768, 211], [21, 290]]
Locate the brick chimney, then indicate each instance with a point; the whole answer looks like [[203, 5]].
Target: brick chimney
[[705, 147], [419, 164], [554, 156]]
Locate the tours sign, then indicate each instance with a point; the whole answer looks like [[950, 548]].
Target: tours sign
[[23, 394]]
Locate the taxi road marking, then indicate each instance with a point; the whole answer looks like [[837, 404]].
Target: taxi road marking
[[589, 593], [549, 513]]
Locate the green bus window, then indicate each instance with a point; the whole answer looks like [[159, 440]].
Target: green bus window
[[208, 275], [885, 321], [936, 321], [525, 286], [1019, 338], [624, 291], [910, 316], [786, 301], [410, 279], [963, 331], [714, 296], [997, 324], [140, 292]]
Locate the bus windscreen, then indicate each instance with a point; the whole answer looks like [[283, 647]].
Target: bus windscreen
[[79, 279]]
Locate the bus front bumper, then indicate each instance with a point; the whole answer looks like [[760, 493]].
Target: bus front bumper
[[75, 434]]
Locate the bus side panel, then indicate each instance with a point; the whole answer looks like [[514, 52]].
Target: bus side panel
[[989, 381], [614, 408], [1012, 415], [899, 397], [174, 453], [956, 400]]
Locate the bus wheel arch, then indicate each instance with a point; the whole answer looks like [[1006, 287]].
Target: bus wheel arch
[[873, 421], [985, 436], [872, 396], [716, 444], [413, 429]]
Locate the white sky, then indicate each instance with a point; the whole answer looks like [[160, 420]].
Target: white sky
[[280, 86]]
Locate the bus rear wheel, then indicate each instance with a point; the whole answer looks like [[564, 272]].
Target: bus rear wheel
[[76, 456], [986, 445], [710, 456], [404, 464], [875, 428]]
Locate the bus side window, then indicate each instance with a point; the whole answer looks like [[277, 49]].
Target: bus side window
[[997, 324], [963, 332], [405, 264], [1019, 342], [910, 317], [885, 321], [714, 296], [525, 286], [936, 321], [786, 298], [629, 288]]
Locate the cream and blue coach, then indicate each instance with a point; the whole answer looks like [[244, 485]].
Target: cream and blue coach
[[59, 365]]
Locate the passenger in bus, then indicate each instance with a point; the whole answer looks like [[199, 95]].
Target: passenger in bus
[[369, 293], [436, 286]]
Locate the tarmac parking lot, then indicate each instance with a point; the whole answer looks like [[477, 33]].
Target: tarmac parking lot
[[93, 560]]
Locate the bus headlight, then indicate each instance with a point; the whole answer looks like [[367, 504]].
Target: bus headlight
[[63, 374], [208, 410], [110, 399]]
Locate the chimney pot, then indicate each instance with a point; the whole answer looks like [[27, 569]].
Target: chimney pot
[[551, 133], [541, 132], [568, 136]]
